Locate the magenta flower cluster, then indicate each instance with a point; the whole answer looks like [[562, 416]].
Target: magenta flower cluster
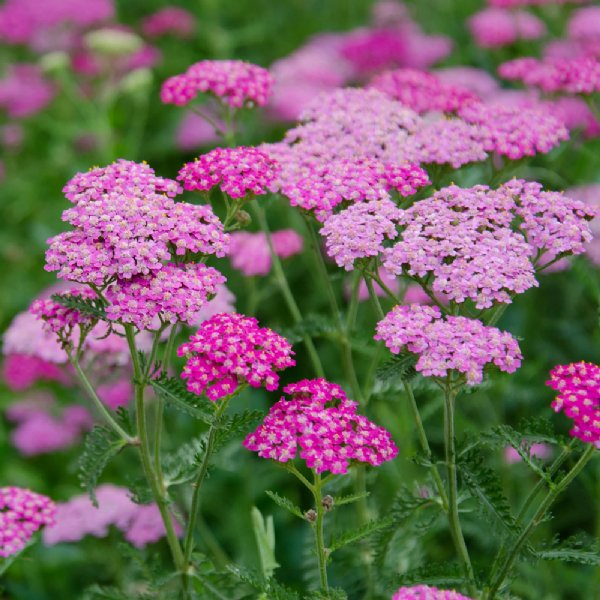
[[231, 349], [422, 91], [237, 172], [22, 513], [234, 82], [445, 344], [57, 317], [426, 592], [578, 387], [319, 419], [497, 27]]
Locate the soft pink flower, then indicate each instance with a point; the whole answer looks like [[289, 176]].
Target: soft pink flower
[[426, 592], [171, 20], [511, 455], [24, 91]]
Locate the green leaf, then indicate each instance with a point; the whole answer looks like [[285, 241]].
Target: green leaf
[[341, 500], [264, 534], [101, 445], [181, 466], [332, 594], [271, 588], [395, 372], [173, 391], [359, 533], [576, 549], [235, 425], [285, 503], [93, 307], [313, 326], [443, 574]]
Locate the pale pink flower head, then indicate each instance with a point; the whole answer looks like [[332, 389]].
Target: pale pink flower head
[[223, 302], [537, 450], [237, 172], [448, 344], [478, 81], [426, 592], [578, 387], [22, 513], [24, 91], [235, 82], [193, 132], [231, 349], [584, 25], [319, 419], [116, 393], [517, 3], [590, 194], [390, 281], [422, 91], [250, 252], [170, 20]]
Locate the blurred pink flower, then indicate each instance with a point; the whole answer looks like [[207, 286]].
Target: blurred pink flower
[[497, 27], [23, 91], [171, 20], [511, 456], [193, 132], [116, 393]]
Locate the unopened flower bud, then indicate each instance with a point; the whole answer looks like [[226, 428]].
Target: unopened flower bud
[[138, 80], [243, 218], [113, 42], [327, 503], [54, 62], [310, 515]]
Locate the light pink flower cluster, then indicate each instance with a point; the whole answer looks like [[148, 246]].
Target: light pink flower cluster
[[236, 171], [584, 26], [497, 27], [578, 385], [515, 3], [463, 238], [22, 513], [360, 230], [589, 194], [426, 592], [579, 75], [57, 317], [538, 450], [454, 343], [24, 92], [250, 254], [169, 20], [234, 82], [422, 91], [175, 293], [125, 225], [324, 424], [21, 371], [230, 349], [515, 132], [78, 517]]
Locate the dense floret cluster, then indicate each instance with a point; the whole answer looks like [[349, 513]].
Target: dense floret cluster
[[426, 592]]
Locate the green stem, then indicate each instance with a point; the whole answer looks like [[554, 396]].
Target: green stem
[[538, 517], [453, 517], [347, 362], [353, 308], [319, 537], [284, 286]]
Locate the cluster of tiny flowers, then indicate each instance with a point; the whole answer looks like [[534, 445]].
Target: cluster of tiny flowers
[[454, 343], [515, 132], [515, 3], [578, 75], [374, 49], [236, 171], [169, 20], [497, 27], [175, 293], [234, 82], [463, 238], [230, 349], [321, 186], [127, 225], [578, 385], [22, 513], [360, 230], [250, 253], [422, 91], [24, 91], [323, 423], [59, 318], [426, 592]]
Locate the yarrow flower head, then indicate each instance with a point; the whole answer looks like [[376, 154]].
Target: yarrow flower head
[[497, 27], [174, 294], [234, 82], [231, 349], [360, 230], [24, 92], [426, 592], [319, 419], [578, 387], [445, 344], [22, 513], [169, 20], [422, 91], [237, 172]]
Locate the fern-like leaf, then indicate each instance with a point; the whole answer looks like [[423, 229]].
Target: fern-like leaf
[[231, 427], [312, 325], [174, 393], [285, 503], [576, 549], [444, 574], [93, 307], [101, 445], [181, 466], [395, 372], [359, 533], [349, 499]]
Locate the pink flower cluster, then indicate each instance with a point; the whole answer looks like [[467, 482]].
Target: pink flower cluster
[[497, 27], [125, 225], [24, 92], [578, 387], [514, 132], [454, 343], [360, 230], [78, 517], [235, 82], [174, 294], [237, 172], [57, 317], [426, 592], [250, 254], [324, 424], [579, 75], [230, 349], [22, 513], [169, 20], [515, 3], [590, 194], [422, 91]]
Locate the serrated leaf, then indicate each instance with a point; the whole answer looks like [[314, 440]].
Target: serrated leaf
[[395, 372], [140, 491], [285, 503], [93, 307], [341, 500], [312, 326], [235, 425], [576, 549], [271, 588], [444, 574], [359, 533], [181, 466], [101, 445], [173, 391]]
